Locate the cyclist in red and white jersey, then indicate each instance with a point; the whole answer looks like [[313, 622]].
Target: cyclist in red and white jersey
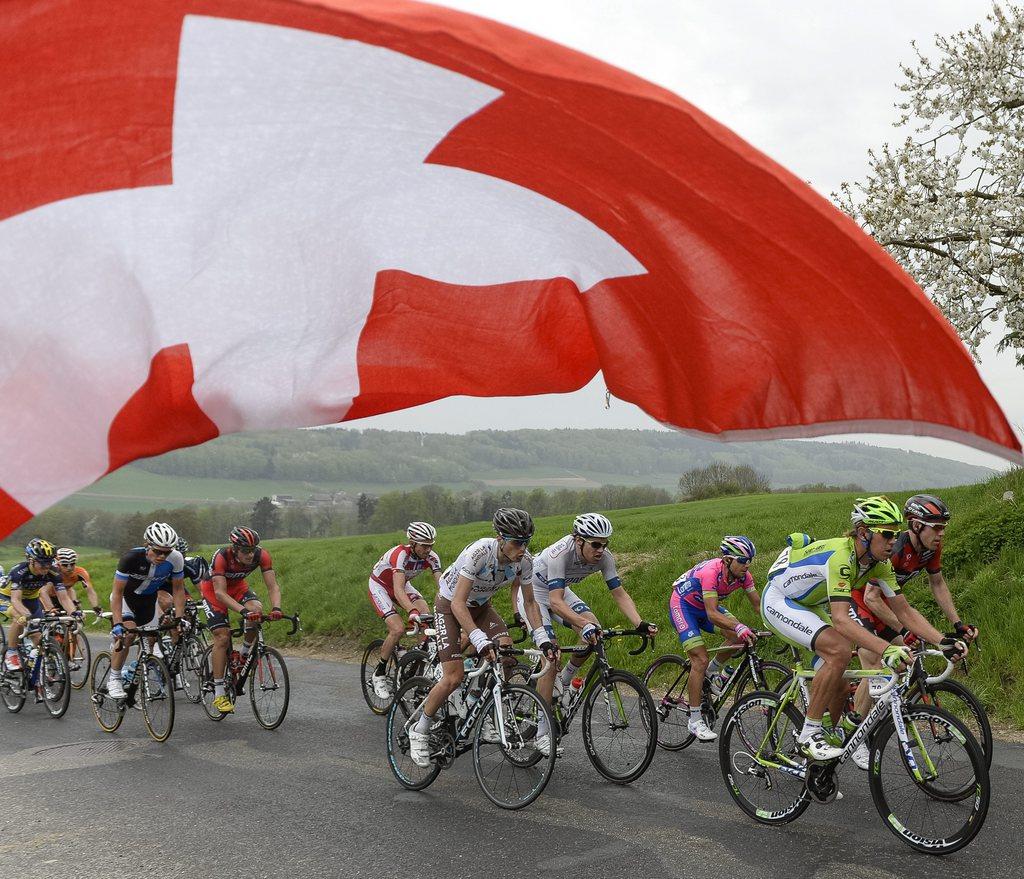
[[391, 584]]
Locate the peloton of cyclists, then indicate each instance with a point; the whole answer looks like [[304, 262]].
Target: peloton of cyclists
[[19, 595]]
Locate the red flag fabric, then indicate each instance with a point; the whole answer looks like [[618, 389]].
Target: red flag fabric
[[218, 215]]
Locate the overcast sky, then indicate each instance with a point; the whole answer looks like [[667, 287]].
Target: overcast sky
[[811, 84]]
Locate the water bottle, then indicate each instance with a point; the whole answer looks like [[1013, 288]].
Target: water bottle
[[573, 691], [236, 661], [128, 674]]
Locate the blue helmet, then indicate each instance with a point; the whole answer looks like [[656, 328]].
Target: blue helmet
[[738, 547]]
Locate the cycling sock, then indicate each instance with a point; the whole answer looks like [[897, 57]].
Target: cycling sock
[[568, 673], [695, 715], [714, 667], [218, 687], [423, 724], [810, 728]]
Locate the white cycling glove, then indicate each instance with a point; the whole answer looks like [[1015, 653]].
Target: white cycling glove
[[479, 640]]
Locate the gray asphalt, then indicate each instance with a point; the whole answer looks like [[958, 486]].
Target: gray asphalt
[[316, 798]]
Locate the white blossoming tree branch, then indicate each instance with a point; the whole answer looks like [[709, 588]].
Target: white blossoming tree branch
[[948, 203]]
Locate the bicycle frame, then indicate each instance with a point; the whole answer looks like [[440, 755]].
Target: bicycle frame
[[890, 700], [242, 675]]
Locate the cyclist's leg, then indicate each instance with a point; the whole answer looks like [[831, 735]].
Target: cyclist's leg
[[546, 683], [220, 631], [576, 662], [687, 622], [449, 655]]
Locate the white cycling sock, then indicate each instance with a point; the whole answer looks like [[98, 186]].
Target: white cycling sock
[[810, 728], [568, 673], [714, 667], [218, 687], [695, 714], [423, 724]]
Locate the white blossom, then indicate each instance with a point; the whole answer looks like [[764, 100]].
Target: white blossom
[[948, 203]]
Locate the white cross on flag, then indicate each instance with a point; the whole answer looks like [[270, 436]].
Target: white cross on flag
[[242, 214]]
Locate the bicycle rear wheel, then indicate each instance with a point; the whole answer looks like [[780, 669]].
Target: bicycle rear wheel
[[79, 659], [667, 679], [958, 700], [269, 689], [941, 756], [53, 681], [157, 695], [620, 727], [514, 773], [760, 758], [108, 710], [775, 676], [406, 709], [192, 670]]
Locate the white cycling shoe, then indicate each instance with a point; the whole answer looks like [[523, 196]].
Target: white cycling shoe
[[817, 748], [701, 730], [115, 686], [543, 744], [381, 686], [419, 748]]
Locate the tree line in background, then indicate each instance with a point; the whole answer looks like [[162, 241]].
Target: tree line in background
[[210, 524]]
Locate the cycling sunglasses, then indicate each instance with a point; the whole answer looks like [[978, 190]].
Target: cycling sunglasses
[[160, 551], [742, 559], [516, 541], [886, 533], [597, 544]]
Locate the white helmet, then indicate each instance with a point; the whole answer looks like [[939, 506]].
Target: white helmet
[[421, 532], [160, 534], [592, 525], [66, 556]]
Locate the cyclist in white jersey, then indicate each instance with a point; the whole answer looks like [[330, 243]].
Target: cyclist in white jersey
[[559, 567], [463, 604]]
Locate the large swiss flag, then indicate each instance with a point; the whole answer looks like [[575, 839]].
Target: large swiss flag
[[238, 214]]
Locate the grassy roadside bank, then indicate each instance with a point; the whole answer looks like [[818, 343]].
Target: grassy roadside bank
[[325, 579]]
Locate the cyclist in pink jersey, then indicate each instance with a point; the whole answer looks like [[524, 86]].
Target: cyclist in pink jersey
[[391, 584], [694, 608]]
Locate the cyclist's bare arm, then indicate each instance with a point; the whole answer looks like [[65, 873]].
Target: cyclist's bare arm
[[533, 616], [851, 631], [558, 606], [875, 601], [911, 618], [943, 597], [626, 604], [273, 589], [722, 621], [401, 596]]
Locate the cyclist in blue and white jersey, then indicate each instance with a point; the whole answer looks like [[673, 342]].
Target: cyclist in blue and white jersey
[[141, 572], [556, 570]]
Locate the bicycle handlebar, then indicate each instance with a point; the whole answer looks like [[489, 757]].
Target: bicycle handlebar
[[945, 673], [294, 620], [419, 624]]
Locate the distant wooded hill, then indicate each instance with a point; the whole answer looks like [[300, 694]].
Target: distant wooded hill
[[545, 458]]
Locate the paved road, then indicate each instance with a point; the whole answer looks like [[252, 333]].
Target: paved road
[[316, 798]]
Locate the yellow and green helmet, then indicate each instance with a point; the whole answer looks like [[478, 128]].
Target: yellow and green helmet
[[876, 512]]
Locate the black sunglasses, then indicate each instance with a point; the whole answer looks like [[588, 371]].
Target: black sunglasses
[[515, 541], [597, 544]]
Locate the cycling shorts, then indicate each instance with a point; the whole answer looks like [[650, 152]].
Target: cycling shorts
[[449, 632], [33, 605], [797, 624], [382, 601], [861, 614], [548, 619], [217, 613], [690, 621]]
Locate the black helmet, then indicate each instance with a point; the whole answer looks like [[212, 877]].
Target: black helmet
[[513, 524], [244, 537], [927, 508]]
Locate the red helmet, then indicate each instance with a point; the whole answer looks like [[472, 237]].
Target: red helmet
[[244, 537]]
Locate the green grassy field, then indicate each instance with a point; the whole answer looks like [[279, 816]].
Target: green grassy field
[[325, 580]]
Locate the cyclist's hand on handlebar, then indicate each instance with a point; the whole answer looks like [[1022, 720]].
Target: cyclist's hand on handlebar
[[550, 650], [117, 631], [517, 619], [591, 633], [745, 633], [895, 656], [254, 616], [953, 647], [183, 624], [275, 613], [965, 631], [646, 628]]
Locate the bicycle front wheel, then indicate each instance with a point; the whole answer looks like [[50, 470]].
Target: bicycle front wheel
[[940, 756], [108, 710], [269, 689], [667, 680], [79, 659], [760, 758], [367, 668], [405, 710], [511, 771], [208, 692], [620, 727], [157, 693], [53, 682], [13, 685], [958, 700]]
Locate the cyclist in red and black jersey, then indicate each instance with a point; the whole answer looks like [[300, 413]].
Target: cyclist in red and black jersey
[[917, 549], [228, 588]]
